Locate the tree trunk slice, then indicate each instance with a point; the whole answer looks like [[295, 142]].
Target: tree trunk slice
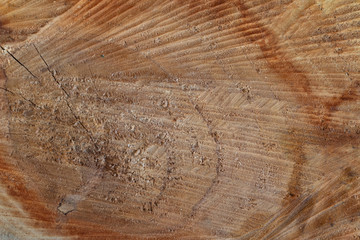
[[179, 119]]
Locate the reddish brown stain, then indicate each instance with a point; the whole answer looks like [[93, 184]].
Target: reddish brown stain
[[276, 59], [301, 87], [297, 153], [293, 77], [300, 84], [16, 187]]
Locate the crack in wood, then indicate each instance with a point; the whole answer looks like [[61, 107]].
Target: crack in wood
[[18, 61], [91, 183], [13, 93]]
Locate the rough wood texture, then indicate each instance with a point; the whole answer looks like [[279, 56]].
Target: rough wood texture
[[179, 119]]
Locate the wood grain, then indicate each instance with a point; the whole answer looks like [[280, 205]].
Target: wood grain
[[175, 119]]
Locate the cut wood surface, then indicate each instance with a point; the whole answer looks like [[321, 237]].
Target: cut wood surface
[[179, 119]]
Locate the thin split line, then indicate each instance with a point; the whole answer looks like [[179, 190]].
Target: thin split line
[[18, 61]]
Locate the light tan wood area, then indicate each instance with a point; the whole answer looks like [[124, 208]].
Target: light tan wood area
[[181, 119]]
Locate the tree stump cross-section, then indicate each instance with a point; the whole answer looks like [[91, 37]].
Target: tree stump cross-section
[[191, 119]]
